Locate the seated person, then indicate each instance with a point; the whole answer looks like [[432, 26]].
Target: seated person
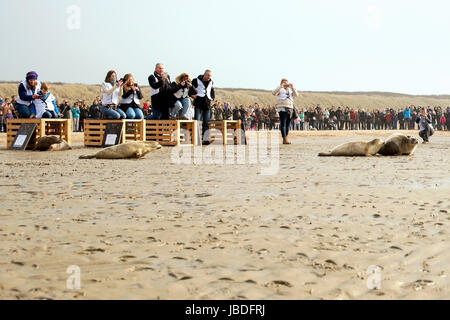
[[45, 105], [131, 97], [182, 89]]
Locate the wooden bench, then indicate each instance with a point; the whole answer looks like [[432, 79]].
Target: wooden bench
[[44, 127], [132, 130], [227, 128], [172, 132]]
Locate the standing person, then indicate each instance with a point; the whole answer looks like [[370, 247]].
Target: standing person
[[1, 113], [425, 129], [301, 116], [131, 98], [145, 108], [202, 101], [111, 92], [94, 110], [182, 89], [76, 116], [7, 111], [84, 114], [66, 110], [447, 118], [28, 90], [285, 94], [160, 90], [442, 122], [407, 117]]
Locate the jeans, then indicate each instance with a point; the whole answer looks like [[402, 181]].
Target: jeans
[[76, 124], [111, 114], [156, 115], [24, 111], [203, 115], [183, 105], [134, 113], [285, 121], [49, 115]]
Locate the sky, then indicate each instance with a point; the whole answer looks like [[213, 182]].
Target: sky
[[319, 45]]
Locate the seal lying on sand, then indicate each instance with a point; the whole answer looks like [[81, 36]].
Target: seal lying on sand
[[355, 149], [399, 145], [51, 143], [133, 149]]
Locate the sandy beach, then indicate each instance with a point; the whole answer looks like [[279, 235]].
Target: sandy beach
[[151, 229]]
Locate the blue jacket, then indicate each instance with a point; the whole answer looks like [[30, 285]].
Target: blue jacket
[[407, 114]]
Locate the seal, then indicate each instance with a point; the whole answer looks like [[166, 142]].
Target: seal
[[399, 144], [51, 143], [62, 146], [133, 149], [355, 149]]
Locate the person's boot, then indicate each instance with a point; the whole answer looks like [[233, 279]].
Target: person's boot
[[286, 141]]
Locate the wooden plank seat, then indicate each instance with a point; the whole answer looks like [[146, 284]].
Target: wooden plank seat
[[44, 127], [227, 129], [133, 130], [172, 132]]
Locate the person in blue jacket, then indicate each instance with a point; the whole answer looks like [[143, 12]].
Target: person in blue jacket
[[45, 106]]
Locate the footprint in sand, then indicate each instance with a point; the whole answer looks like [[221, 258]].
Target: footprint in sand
[[125, 258], [278, 283], [225, 279]]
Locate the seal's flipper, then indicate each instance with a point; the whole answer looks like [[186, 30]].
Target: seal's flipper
[[87, 157], [325, 154]]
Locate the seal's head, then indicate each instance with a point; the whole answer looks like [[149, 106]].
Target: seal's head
[[413, 140], [377, 142]]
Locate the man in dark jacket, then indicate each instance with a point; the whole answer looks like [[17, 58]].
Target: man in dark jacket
[[66, 110], [202, 102], [160, 90], [94, 110]]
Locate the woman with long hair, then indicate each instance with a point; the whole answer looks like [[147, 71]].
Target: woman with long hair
[[182, 89], [111, 92], [131, 97], [285, 94]]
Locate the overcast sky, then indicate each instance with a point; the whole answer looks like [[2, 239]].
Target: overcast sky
[[319, 45]]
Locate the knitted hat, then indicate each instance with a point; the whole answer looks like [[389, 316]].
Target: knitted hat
[[32, 75]]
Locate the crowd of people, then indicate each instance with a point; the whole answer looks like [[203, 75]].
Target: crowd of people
[[258, 117], [195, 99]]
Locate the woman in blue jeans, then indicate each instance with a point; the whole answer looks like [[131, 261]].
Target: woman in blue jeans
[[111, 91], [285, 94], [182, 89], [28, 91], [131, 97]]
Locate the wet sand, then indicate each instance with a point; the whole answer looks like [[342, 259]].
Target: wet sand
[[150, 229]]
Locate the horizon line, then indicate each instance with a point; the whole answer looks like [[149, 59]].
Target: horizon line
[[442, 95]]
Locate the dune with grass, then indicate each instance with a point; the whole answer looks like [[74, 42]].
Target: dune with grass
[[366, 100]]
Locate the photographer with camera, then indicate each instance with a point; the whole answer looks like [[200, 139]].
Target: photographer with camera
[[425, 128], [285, 94], [94, 110], [202, 101], [182, 89], [160, 91], [131, 97], [111, 92]]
